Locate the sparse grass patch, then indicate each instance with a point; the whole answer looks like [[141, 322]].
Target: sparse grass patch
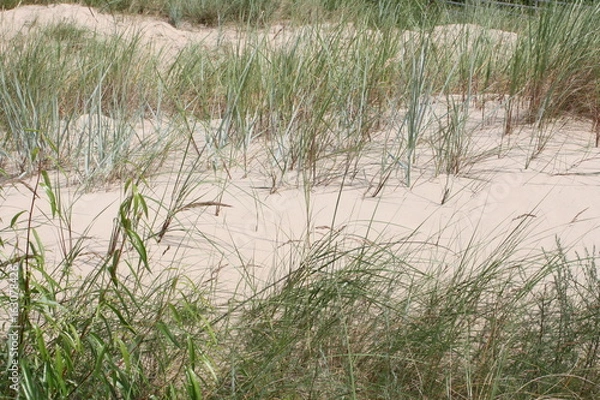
[[70, 100]]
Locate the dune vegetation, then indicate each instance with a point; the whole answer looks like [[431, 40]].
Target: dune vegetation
[[300, 96]]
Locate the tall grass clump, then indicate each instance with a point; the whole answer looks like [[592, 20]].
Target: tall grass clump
[[373, 322], [312, 100], [341, 85], [558, 63], [75, 97], [471, 72], [101, 323]]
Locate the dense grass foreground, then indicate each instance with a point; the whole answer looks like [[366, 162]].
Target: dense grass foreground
[[367, 323], [349, 321]]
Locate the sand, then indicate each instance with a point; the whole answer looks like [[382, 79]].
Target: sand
[[258, 234]]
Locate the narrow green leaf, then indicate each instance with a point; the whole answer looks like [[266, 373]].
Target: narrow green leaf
[[125, 354], [138, 244], [47, 185], [193, 386], [167, 332], [13, 221]]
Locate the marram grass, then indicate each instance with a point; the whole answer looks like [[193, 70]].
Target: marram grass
[[361, 321], [349, 321]]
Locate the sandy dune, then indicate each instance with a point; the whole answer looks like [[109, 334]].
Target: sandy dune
[[558, 194]]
